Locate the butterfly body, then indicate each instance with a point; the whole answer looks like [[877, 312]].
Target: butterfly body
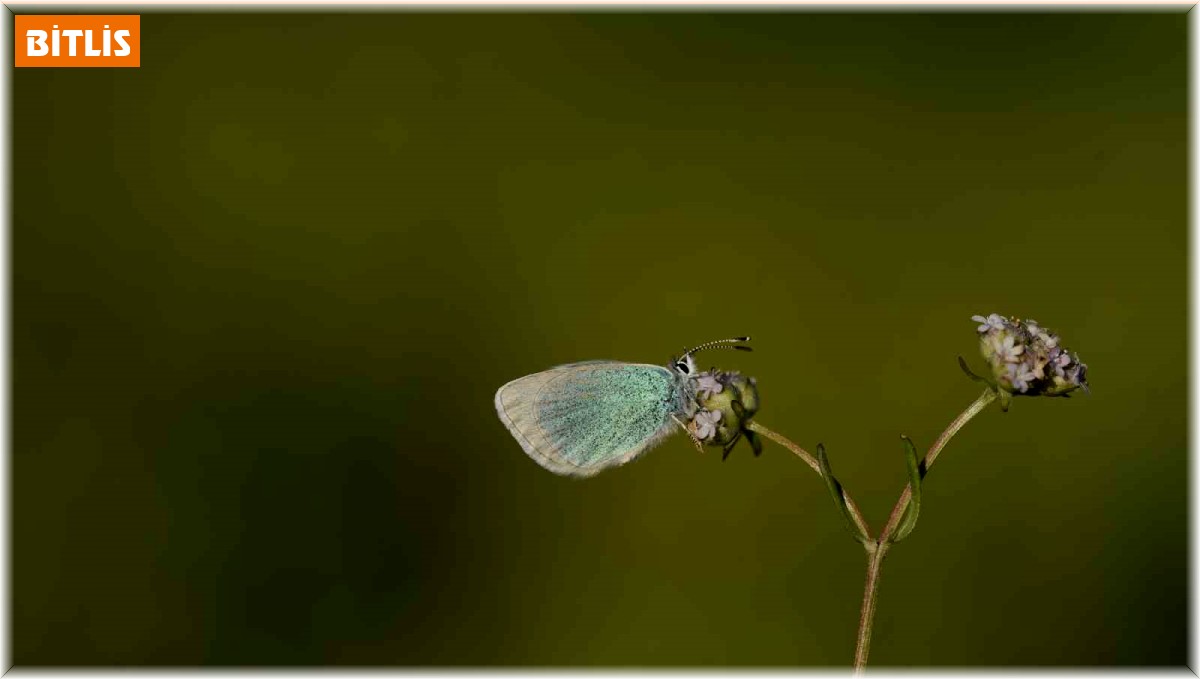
[[581, 418]]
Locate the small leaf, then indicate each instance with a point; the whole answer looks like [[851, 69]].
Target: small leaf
[[1005, 399], [835, 491], [914, 481], [754, 441], [738, 409], [962, 363], [729, 446]]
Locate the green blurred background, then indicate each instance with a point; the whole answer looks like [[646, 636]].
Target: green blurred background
[[265, 287]]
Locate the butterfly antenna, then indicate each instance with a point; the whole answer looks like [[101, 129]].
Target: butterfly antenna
[[731, 343]]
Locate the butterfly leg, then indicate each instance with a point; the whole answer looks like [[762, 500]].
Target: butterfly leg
[[699, 446]]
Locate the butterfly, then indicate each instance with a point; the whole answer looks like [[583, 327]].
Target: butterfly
[[582, 418]]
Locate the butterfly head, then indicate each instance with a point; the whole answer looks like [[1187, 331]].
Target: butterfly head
[[684, 365]]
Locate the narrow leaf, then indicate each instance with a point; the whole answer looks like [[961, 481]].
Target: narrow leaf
[[729, 446], [835, 491], [914, 481], [738, 409], [962, 363], [755, 442]]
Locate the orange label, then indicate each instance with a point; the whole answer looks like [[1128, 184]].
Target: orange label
[[106, 40]]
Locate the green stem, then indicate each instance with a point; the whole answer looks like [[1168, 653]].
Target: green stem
[[866, 619], [871, 591], [877, 548], [811, 461], [972, 410]]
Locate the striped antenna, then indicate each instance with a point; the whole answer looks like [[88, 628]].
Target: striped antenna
[[730, 343]]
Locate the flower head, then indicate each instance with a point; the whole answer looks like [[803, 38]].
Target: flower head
[[1020, 376], [1027, 359], [1005, 347], [704, 424], [707, 384], [987, 323], [725, 403]]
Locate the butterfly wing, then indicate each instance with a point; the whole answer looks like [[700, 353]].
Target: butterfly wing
[[581, 418]]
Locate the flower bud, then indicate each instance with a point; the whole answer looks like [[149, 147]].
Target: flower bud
[[727, 401], [1027, 359]]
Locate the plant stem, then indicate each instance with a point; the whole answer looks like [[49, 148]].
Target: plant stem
[[972, 410], [877, 549], [866, 619], [871, 591], [803, 454], [811, 461]]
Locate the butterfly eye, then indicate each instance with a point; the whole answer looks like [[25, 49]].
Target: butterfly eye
[[681, 367]]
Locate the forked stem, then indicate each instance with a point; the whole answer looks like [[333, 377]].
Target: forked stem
[[877, 547], [866, 621], [963, 418]]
